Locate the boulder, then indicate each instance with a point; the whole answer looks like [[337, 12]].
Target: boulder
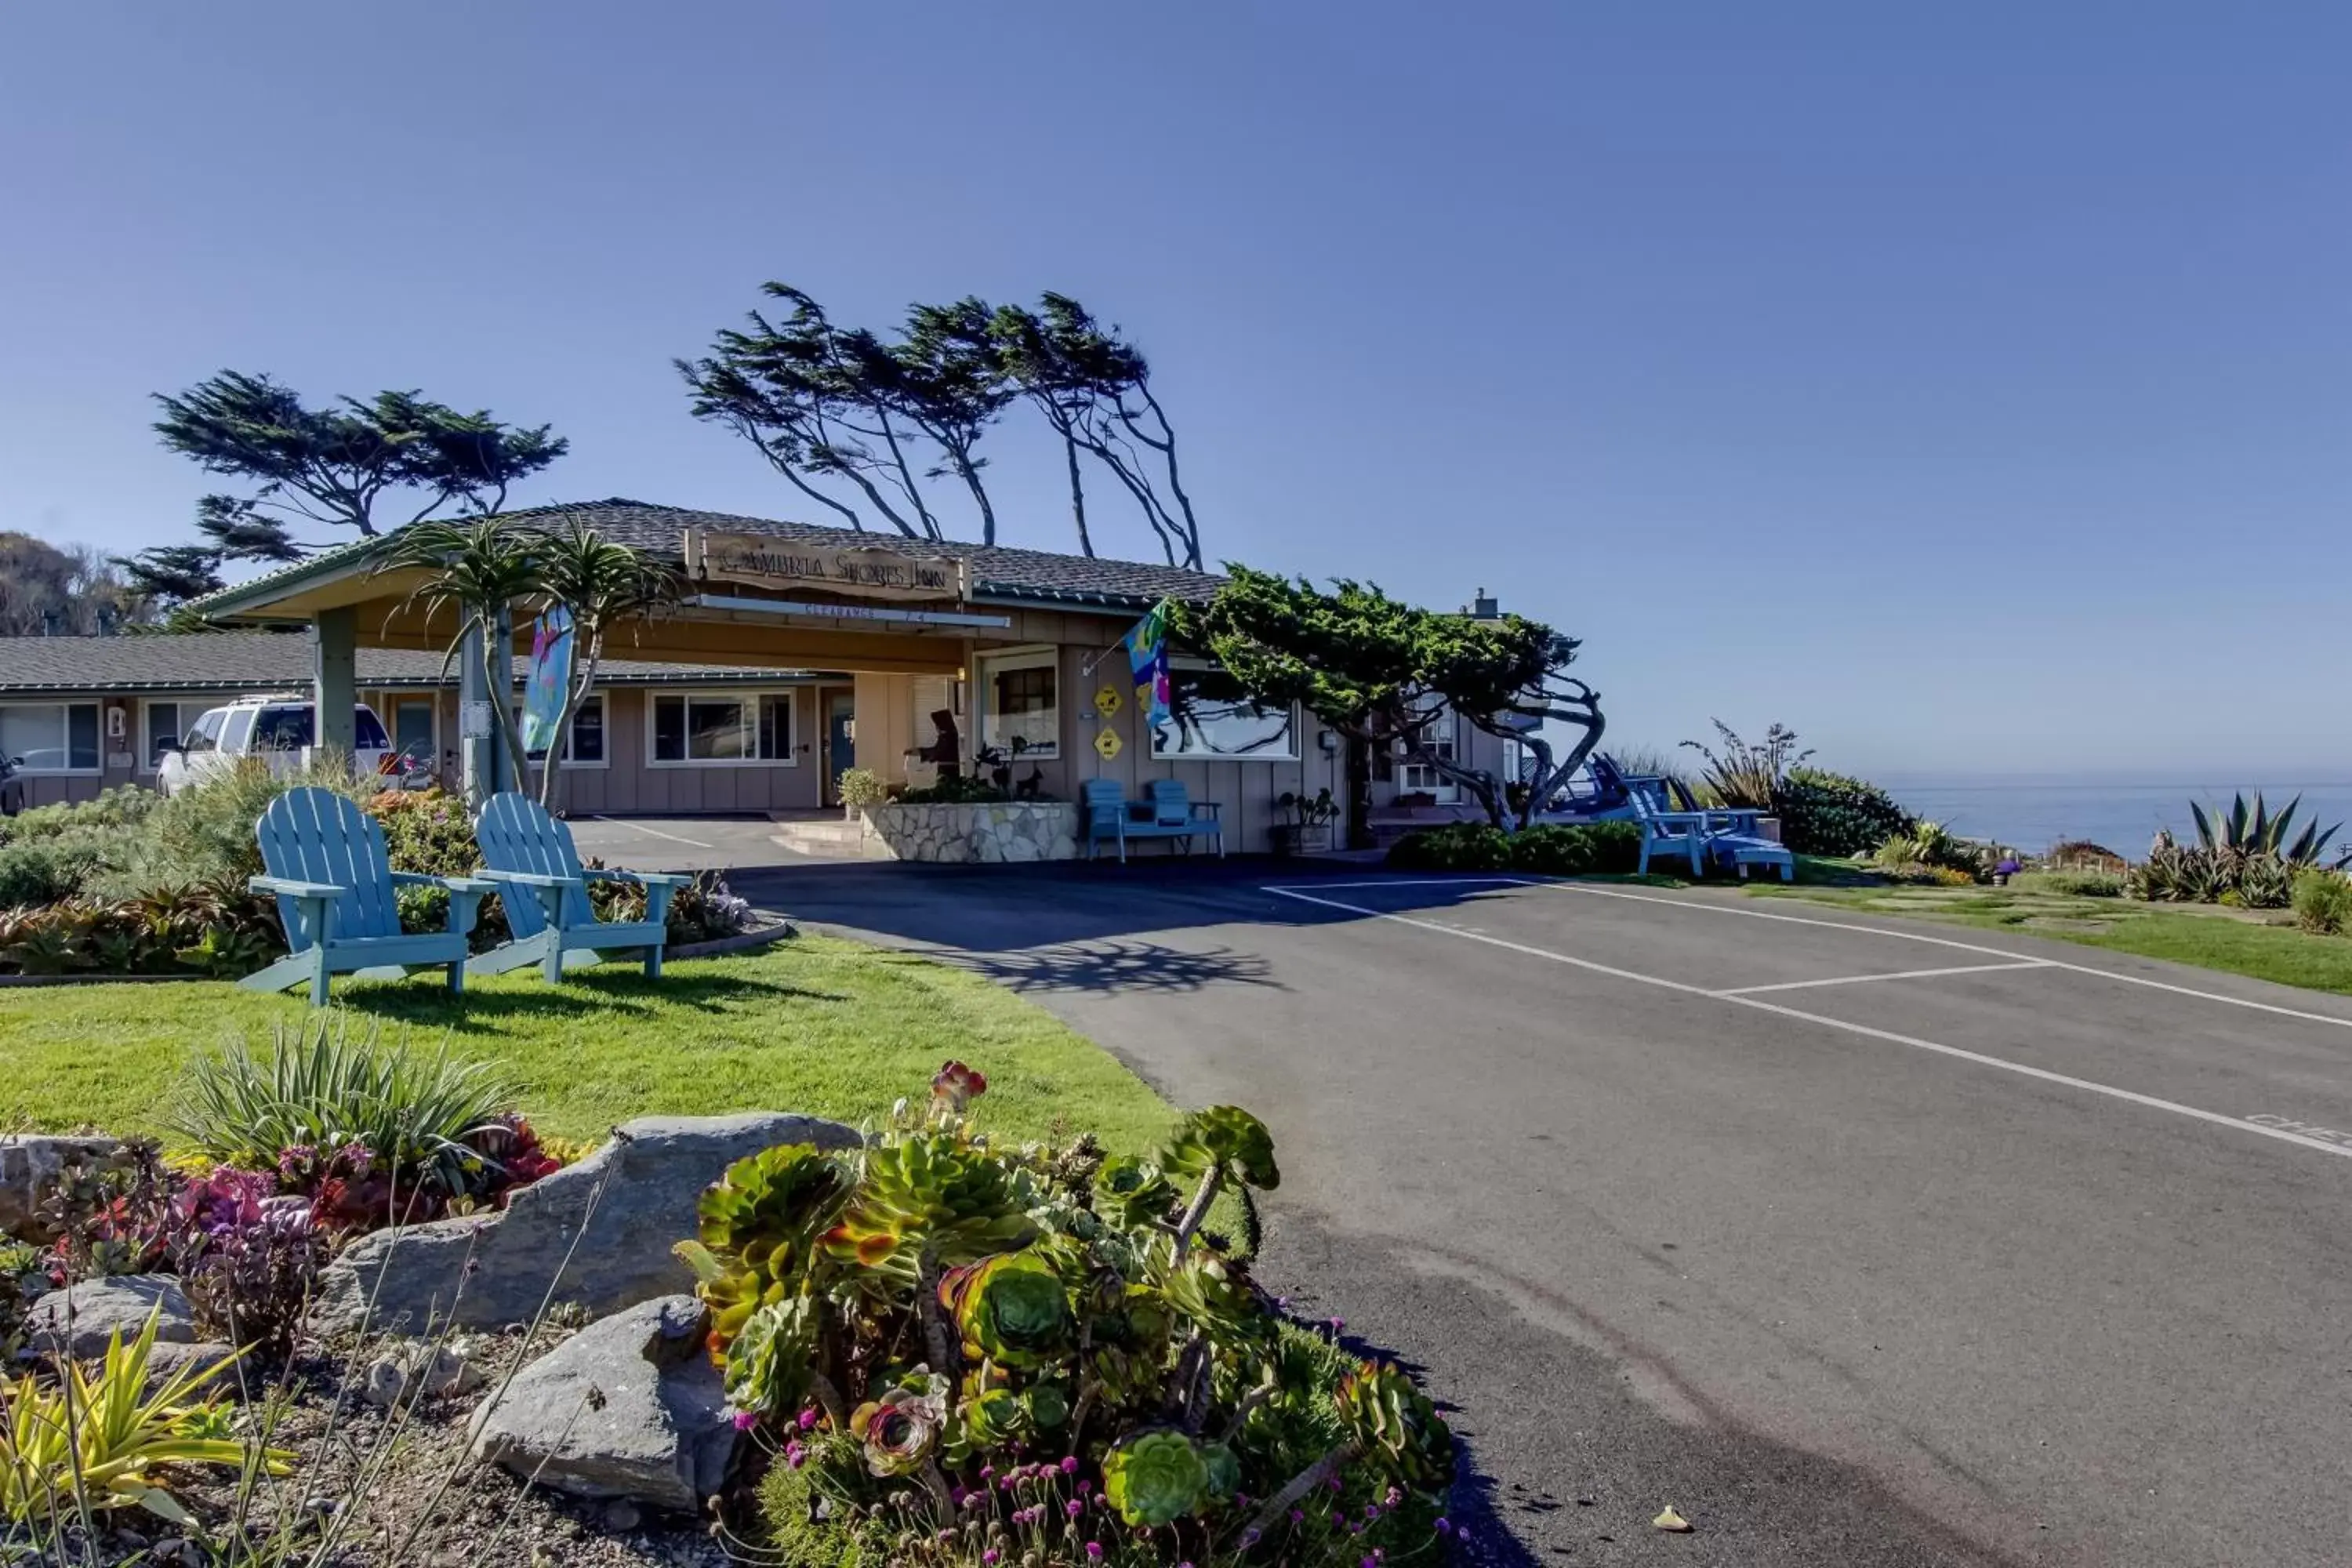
[[167, 1360], [630, 1407], [29, 1163], [80, 1319], [413, 1372], [636, 1196]]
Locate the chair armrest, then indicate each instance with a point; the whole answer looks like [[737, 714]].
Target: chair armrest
[[473, 885], [1210, 808], [643, 879], [287, 888], [531, 879]]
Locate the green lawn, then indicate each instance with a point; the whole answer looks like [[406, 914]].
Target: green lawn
[[815, 1025], [2210, 938]]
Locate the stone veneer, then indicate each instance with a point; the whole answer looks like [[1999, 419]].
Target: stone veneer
[[971, 834]]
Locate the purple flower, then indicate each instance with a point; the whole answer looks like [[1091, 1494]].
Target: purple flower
[[1443, 1524], [808, 1419], [1251, 1537], [746, 1419], [1298, 1516], [796, 1454], [1084, 1487], [1336, 1484], [1074, 1508], [1339, 1323], [956, 1496], [1462, 1532], [1371, 1510], [989, 1557], [1094, 1551], [1070, 1464], [1371, 1563]]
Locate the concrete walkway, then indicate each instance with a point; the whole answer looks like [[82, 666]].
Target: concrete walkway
[[1858, 1241]]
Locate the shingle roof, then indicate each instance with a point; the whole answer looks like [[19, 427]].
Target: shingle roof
[[254, 661], [997, 573]]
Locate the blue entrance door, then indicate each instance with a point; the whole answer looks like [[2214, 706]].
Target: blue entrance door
[[840, 737]]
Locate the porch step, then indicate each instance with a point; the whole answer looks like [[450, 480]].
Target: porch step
[[832, 839]]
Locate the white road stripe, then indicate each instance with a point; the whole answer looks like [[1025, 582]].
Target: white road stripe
[[1704, 908], [1897, 975], [2109, 1090], [655, 832]]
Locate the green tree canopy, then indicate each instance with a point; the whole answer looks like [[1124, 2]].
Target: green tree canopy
[[1380, 672]]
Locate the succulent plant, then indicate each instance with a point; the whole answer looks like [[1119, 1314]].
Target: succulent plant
[[772, 1205], [1216, 1294], [901, 1427], [1131, 1193], [928, 1191], [1225, 1138], [1012, 1309], [956, 1086], [1396, 1424], [769, 1359], [1155, 1478]]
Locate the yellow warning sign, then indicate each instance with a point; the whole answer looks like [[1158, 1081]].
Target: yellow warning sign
[[1106, 702], [1106, 742]]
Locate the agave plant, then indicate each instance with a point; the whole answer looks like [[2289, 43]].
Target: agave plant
[[2256, 832]]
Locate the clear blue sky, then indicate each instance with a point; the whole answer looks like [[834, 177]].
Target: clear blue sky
[[1964, 385]]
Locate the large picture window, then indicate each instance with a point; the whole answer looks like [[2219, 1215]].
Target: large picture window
[[163, 721], [715, 729], [51, 737], [1209, 715], [1021, 705]]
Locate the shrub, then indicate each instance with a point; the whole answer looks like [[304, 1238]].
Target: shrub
[[1457, 846], [98, 1443], [47, 870], [919, 1316], [330, 1105], [2070, 884], [2194, 874], [22, 1282], [206, 834], [425, 831], [954, 789], [1570, 849], [1748, 774], [861, 787], [1824, 813], [246, 1256], [124, 805], [2082, 855], [2323, 902], [219, 930]]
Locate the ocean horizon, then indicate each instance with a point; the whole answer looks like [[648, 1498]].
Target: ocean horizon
[[2031, 816]]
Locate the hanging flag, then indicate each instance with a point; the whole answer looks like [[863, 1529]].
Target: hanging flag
[[1147, 657], [550, 680]]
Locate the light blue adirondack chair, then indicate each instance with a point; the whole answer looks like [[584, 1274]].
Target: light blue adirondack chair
[[335, 888], [529, 855], [1672, 832], [1172, 807]]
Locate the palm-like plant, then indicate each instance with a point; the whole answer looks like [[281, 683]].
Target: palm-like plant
[[475, 571], [599, 584], [2257, 832]]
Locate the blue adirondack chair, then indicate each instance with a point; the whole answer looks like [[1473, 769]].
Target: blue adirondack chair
[[335, 888], [1673, 832], [1174, 806], [529, 855]]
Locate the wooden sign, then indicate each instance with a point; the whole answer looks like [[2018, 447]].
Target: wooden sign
[[856, 571]]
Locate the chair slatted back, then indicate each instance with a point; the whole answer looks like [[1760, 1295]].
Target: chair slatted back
[[516, 833], [1105, 801], [1172, 805], [313, 835]]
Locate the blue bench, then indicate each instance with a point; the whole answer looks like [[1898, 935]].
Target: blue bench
[[1166, 811]]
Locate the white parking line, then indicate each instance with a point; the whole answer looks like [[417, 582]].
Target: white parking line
[[1897, 975], [1732, 999], [2339, 1021], [655, 832]]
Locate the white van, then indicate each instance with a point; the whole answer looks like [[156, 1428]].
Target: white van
[[277, 727]]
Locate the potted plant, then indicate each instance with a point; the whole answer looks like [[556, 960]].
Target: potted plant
[[860, 788], [1309, 828], [2004, 870]]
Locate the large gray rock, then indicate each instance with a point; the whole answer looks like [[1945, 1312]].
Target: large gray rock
[[629, 1407], [80, 1320], [642, 1188], [29, 1163]]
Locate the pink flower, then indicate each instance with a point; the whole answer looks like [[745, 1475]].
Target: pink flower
[[989, 1557], [1094, 1551], [1070, 1464], [808, 1419], [1074, 1508], [796, 1454], [746, 1419]]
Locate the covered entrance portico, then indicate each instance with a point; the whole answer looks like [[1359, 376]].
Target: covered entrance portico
[[910, 661]]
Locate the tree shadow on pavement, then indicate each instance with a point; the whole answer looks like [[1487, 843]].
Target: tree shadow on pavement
[[1131, 966]]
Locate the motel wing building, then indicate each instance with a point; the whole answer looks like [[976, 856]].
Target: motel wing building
[[798, 652]]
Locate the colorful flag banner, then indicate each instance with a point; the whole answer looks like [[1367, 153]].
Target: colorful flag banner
[[549, 680], [1147, 657]]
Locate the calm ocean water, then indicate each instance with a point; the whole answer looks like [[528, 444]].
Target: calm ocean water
[[2124, 817]]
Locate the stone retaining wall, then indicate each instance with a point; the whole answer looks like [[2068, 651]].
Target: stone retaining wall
[[971, 834]]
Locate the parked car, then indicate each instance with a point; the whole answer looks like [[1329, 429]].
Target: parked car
[[278, 728]]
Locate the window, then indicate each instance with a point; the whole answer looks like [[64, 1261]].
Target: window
[[1209, 715], [413, 729], [1438, 739], [163, 720], [711, 730], [289, 727], [1020, 704], [586, 746], [51, 737], [205, 735], [234, 730]]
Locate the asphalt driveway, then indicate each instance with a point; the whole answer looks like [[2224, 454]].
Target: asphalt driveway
[[1857, 1241]]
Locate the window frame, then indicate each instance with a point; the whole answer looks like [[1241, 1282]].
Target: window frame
[[749, 698], [64, 706], [604, 710], [149, 762], [986, 667], [1297, 729]]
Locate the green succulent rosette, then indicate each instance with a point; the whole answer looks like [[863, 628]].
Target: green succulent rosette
[[901, 1429], [1010, 1309], [1132, 1193], [929, 1191], [769, 1363], [1397, 1427], [1223, 1137], [1155, 1478]]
